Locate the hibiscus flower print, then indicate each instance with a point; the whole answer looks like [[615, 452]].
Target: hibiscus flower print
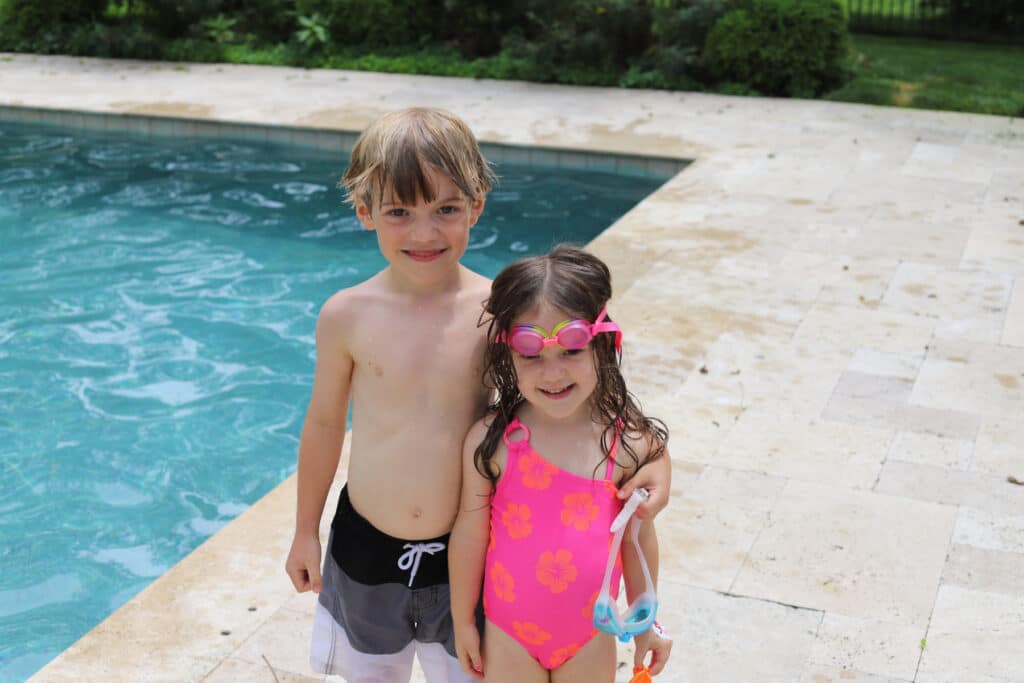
[[556, 570], [537, 473], [579, 510], [516, 518], [588, 609], [502, 582], [530, 633], [562, 655]]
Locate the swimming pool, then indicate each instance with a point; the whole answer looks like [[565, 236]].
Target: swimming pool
[[157, 304]]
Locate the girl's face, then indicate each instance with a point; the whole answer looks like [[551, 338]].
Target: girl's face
[[558, 382]]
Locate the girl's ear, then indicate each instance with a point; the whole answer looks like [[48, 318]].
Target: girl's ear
[[365, 216]]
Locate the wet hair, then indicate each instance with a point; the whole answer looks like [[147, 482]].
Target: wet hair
[[578, 283], [394, 151]]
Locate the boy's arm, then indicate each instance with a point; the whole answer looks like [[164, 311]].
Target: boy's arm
[[467, 552], [636, 583], [323, 433], [656, 477]]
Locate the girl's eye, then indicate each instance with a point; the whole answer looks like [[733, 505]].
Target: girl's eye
[[525, 357], [573, 352]]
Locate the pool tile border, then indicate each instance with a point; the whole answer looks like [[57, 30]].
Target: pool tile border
[[324, 139]]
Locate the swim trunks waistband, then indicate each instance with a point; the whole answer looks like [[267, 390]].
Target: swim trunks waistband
[[371, 557]]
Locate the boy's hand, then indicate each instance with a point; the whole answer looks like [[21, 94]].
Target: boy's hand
[[656, 477], [467, 649], [303, 564], [660, 649]]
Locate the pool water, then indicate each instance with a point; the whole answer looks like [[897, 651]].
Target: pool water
[[157, 305]]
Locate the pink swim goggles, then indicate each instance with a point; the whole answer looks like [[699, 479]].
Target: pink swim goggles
[[572, 334]]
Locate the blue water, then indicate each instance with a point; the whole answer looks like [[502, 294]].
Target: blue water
[[157, 305]]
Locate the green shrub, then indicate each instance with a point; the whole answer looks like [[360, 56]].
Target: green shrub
[[679, 29], [587, 34], [794, 48], [376, 23], [267, 19], [25, 19]]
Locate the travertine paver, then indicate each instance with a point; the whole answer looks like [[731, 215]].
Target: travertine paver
[[967, 304], [977, 490], [718, 518], [998, 449], [826, 308], [805, 449], [727, 638], [988, 571], [974, 636], [886, 649], [1013, 332], [958, 372], [850, 552]]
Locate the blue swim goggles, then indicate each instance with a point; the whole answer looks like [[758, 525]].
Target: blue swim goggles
[[640, 615]]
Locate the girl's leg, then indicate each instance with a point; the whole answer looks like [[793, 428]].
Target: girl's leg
[[594, 663], [505, 660]]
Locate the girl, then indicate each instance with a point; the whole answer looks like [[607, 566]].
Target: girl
[[540, 477]]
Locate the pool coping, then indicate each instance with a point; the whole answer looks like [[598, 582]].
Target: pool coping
[[326, 139]]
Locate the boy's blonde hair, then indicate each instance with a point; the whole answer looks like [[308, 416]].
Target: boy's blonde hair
[[393, 151]]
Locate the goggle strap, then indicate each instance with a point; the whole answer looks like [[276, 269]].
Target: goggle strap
[[634, 532], [613, 553]]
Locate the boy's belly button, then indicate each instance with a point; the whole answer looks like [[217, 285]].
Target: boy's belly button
[[417, 513]]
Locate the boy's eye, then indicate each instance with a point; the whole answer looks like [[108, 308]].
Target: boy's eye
[[448, 210], [396, 213]]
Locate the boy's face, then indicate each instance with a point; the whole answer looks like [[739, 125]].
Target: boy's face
[[424, 239]]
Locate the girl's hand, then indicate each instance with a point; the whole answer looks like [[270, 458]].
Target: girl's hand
[[467, 649], [660, 649], [656, 477]]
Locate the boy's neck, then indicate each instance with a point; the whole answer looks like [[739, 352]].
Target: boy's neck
[[448, 284]]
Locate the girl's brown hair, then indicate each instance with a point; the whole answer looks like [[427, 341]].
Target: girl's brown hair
[[580, 284]]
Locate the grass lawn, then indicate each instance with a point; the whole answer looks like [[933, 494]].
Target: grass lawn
[[935, 74]]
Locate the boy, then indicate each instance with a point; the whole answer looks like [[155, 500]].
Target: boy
[[406, 348]]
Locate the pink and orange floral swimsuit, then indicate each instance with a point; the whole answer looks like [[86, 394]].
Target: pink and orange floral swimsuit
[[548, 551]]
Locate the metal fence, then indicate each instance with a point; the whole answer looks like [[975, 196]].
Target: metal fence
[[986, 20]]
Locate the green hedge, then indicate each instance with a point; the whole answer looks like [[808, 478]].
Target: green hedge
[[26, 19], [795, 48]]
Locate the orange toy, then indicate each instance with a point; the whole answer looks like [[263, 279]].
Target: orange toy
[[640, 675]]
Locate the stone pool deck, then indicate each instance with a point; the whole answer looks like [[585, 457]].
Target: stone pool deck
[[826, 307]]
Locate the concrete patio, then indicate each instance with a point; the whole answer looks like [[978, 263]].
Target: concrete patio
[[826, 307]]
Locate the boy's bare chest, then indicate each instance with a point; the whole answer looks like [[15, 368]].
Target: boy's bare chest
[[408, 358]]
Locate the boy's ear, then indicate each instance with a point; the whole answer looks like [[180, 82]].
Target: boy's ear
[[365, 216], [476, 208]]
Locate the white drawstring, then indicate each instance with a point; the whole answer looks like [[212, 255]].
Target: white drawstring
[[411, 557]]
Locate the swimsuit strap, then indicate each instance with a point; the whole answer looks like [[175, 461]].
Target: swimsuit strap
[[610, 469], [514, 426]]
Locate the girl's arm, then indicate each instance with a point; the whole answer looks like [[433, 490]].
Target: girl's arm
[[636, 583], [467, 552], [656, 477]]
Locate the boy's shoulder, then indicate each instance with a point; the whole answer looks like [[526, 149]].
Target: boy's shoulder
[[478, 430]]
